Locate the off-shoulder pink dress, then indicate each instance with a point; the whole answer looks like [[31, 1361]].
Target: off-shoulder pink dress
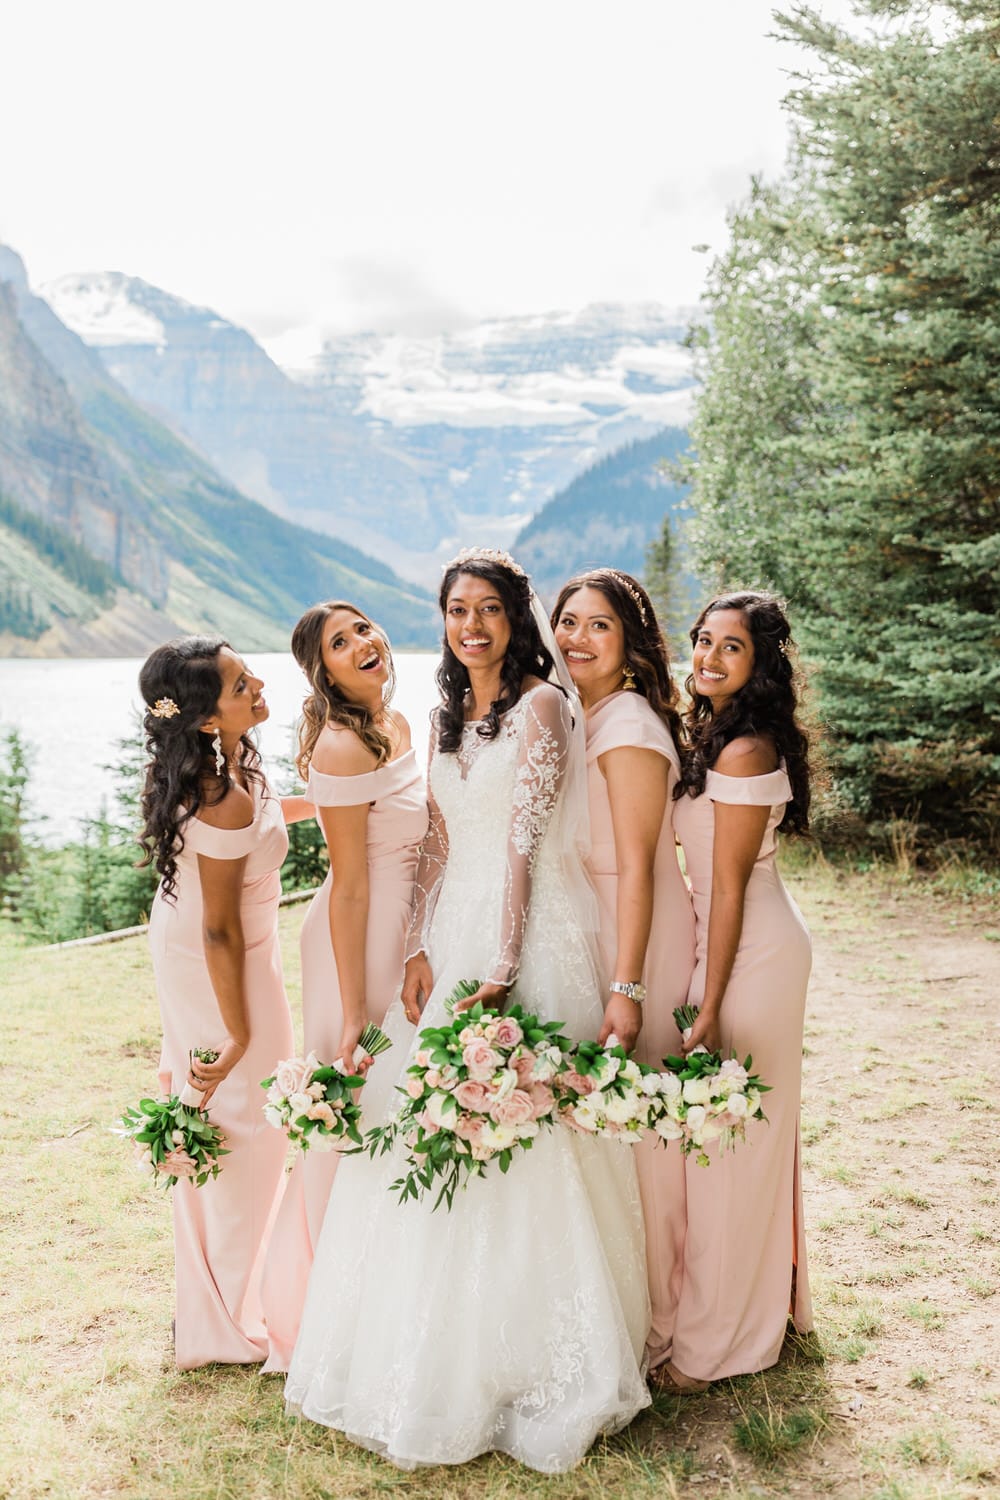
[[745, 1254], [397, 822], [626, 719], [220, 1229]]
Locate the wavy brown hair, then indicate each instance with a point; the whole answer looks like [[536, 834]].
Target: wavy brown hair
[[326, 704], [180, 774], [527, 655], [765, 706], [645, 648]]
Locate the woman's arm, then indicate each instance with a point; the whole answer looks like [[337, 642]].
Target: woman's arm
[[739, 830], [637, 792], [543, 755], [346, 832], [294, 809]]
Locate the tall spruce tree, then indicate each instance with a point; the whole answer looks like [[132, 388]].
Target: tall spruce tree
[[848, 437]]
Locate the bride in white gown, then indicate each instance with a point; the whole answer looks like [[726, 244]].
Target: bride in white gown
[[516, 1322]]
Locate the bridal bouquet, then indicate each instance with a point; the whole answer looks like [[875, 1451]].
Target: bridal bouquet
[[173, 1141], [479, 1088], [705, 1097], [314, 1102], [604, 1092]]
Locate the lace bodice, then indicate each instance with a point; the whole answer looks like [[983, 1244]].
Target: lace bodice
[[491, 805]]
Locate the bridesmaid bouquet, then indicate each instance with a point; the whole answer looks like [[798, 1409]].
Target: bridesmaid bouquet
[[314, 1102], [707, 1097], [604, 1092], [173, 1141], [479, 1089]]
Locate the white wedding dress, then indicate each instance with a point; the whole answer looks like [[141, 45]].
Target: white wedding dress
[[517, 1321]]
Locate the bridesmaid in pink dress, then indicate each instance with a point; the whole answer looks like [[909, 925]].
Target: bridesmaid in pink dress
[[354, 751], [746, 774], [607, 630], [216, 834]]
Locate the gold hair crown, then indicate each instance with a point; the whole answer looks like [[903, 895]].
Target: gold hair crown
[[163, 708], [486, 554], [632, 592]]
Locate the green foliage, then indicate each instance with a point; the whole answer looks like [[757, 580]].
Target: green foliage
[[848, 438], [65, 554], [14, 769]]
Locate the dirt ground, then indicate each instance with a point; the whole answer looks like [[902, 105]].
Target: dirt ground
[[900, 1155]]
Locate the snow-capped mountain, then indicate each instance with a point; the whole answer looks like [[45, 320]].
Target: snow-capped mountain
[[407, 445]]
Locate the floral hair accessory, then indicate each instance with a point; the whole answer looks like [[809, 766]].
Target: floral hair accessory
[[632, 592], [486, 554], [163, 708]]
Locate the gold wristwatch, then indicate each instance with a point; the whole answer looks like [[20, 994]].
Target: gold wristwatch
[[632, 989]]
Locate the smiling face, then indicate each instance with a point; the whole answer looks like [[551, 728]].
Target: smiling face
[[591, 637], [476, 625], [722, 657], [241, 703], [355, 656]]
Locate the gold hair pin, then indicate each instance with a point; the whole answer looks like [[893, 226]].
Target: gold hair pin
[[632, 592], [163, 708]]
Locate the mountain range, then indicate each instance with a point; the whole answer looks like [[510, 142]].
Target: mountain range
[[408, 447], [115, 533]]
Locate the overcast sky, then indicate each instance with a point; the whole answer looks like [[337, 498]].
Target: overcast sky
[[407, 165]]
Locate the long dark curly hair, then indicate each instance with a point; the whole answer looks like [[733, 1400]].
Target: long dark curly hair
[[766, 705], [645, 648], [527, 655], [326, 704], [180, 774]]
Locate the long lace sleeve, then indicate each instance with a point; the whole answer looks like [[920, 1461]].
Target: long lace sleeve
[[430, 867], [543, 756]]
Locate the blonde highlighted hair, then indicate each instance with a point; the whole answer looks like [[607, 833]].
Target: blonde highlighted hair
[[326, 704]]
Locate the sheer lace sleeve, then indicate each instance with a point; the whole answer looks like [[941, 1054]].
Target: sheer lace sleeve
[[430, 865], [543, 756]]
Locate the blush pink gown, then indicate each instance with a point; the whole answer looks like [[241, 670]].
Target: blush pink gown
[[626, 719], [220, 1229], [745, 1256], [397, 822]]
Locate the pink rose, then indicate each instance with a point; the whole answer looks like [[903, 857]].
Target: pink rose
[[481, 1060], [177, 1163], [508, 1032], [524, 1067], [472, 1095], [575, 1082], [542, 1100], [425, 1120], [290, 1077], [468, 1128], [415, 1087], [322, 1112], [423, 1058], [432, 1078], [516, 1109]]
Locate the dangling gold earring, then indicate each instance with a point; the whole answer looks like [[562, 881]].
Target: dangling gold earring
[[628, 685]]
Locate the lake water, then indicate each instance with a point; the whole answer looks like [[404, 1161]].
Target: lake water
[[73, 713]]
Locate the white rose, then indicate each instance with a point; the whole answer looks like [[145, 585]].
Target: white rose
[[697, 1091], [316, 1090], [669, 1085], [736, 1104], [505, 1082], [669, 1129], [696, 1117], [753, 1101], [442, 1109], [300, 1104], [273, 1116], [500, 1137], [649, 1084], [586, 1114], [620, 1109], [631, 1071]]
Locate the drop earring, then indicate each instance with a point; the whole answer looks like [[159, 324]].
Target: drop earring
[[220, 759], [628, 685]]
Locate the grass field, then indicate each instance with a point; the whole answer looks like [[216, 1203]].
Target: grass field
[[896, 1396]]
